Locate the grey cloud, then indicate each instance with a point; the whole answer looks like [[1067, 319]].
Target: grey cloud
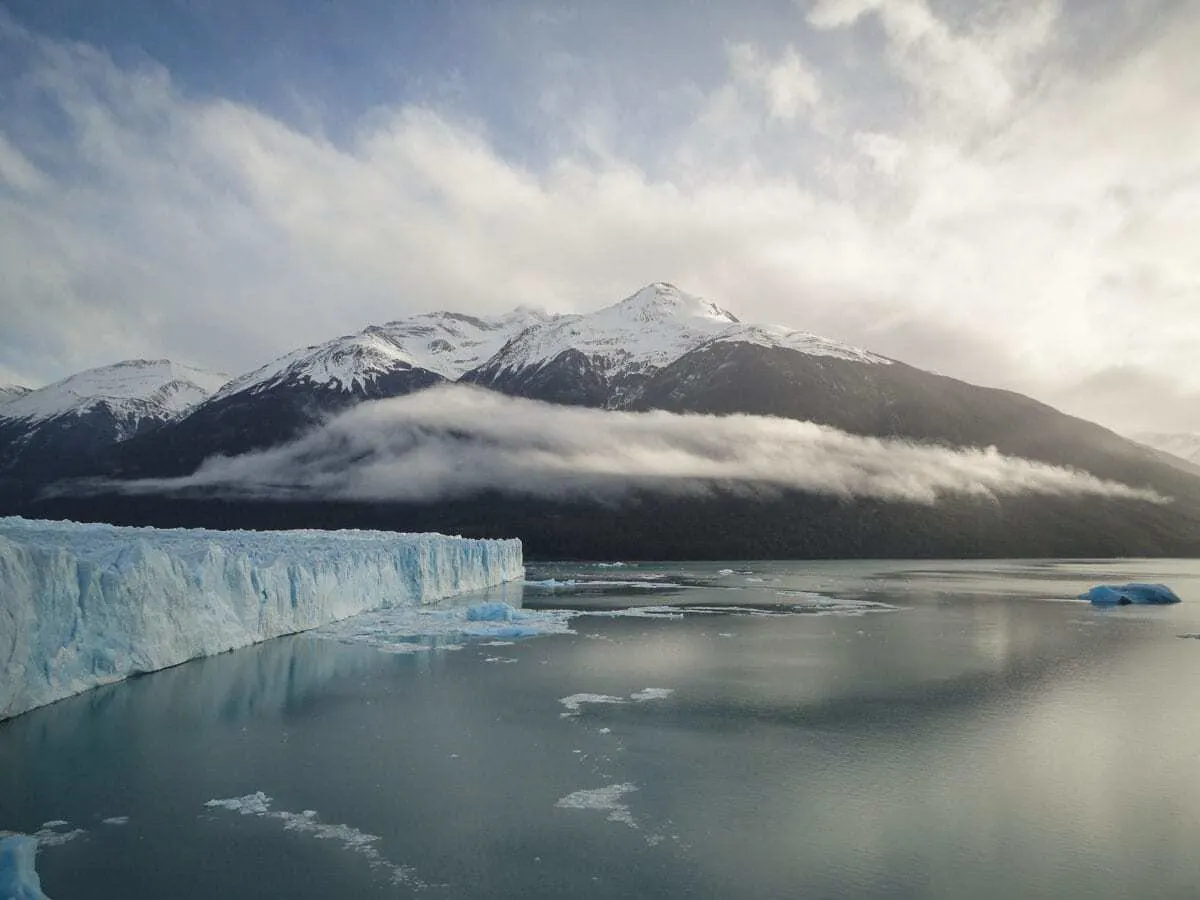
[[456, 442]]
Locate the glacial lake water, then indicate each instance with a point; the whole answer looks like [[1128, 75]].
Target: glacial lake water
[[815, 730]]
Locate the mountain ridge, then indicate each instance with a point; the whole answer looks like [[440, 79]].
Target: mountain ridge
[[660, 348]]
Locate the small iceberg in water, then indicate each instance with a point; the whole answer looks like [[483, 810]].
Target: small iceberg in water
[[1128, 594]]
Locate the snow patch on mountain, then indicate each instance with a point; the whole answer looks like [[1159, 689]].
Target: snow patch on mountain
[[132, 390], [12, 392], [780, 337], [447, 344]]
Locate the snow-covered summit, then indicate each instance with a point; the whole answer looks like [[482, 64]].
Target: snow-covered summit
[[648, 329], [132, 390], [448, 344], [651, 329]]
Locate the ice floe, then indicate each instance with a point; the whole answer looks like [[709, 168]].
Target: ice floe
[[308, 822], [606, 799]]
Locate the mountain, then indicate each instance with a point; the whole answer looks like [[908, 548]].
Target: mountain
[[289, 395], [1185, 446], [11, 392], [658, 349], [606, 358], [65, 427]]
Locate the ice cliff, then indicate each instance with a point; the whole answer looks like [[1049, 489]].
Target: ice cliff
[[85, 605]]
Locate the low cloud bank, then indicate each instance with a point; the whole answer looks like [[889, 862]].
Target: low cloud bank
[[454, 442]]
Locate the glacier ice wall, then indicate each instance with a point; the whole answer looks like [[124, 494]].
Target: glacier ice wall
[[84, 605]]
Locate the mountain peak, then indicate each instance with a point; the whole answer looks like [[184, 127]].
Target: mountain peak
[[662, 301], [134, 387]]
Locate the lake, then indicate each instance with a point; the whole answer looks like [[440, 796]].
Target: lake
[[782, 729]]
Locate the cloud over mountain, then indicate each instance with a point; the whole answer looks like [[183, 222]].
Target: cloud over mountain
[[454, 441]]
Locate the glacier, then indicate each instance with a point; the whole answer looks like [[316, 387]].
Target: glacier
[[85, 605], [18, 877]]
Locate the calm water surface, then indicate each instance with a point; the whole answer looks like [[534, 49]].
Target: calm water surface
[[965, 732]]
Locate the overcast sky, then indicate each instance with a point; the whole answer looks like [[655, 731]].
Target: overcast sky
[[1004, 192]]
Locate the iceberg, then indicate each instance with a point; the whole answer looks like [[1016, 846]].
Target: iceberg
[[85, 605], [18, 877], [1134, 593]]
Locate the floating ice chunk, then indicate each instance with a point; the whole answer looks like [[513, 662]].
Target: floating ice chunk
[[116, 820], [606, 799], [575, 702], [651, 694], [494, 611], [18, 874], [1133, 593], [50, 835], [84, 605], [256, 804], [308, 822], [413, 630]]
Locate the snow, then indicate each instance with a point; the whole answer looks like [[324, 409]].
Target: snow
[[653, 328], [136, 388], [18, 877], [1133, 593], [447, 344], [647, 330], [11, 392], [84, 605], [779, 337]]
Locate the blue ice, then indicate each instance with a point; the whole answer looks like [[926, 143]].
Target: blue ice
[[1134, 593], [18, 877]]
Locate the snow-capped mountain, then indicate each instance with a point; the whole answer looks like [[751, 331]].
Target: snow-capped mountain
[[67, 426], [605, 358], [445, 344], [11, 392], [289, 395], [659, 349], [1185, 446], [131, 391]]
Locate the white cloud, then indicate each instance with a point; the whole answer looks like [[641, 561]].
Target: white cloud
[[1025, 221], [453, 441], [788, 85]]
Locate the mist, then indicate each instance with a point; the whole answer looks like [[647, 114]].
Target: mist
[[453, 442]]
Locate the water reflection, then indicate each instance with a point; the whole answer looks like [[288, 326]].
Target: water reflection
[[973, 742]]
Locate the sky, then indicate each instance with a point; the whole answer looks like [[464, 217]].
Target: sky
[[1006, 193]]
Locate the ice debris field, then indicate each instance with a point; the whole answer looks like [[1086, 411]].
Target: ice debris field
[[85, 605]]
